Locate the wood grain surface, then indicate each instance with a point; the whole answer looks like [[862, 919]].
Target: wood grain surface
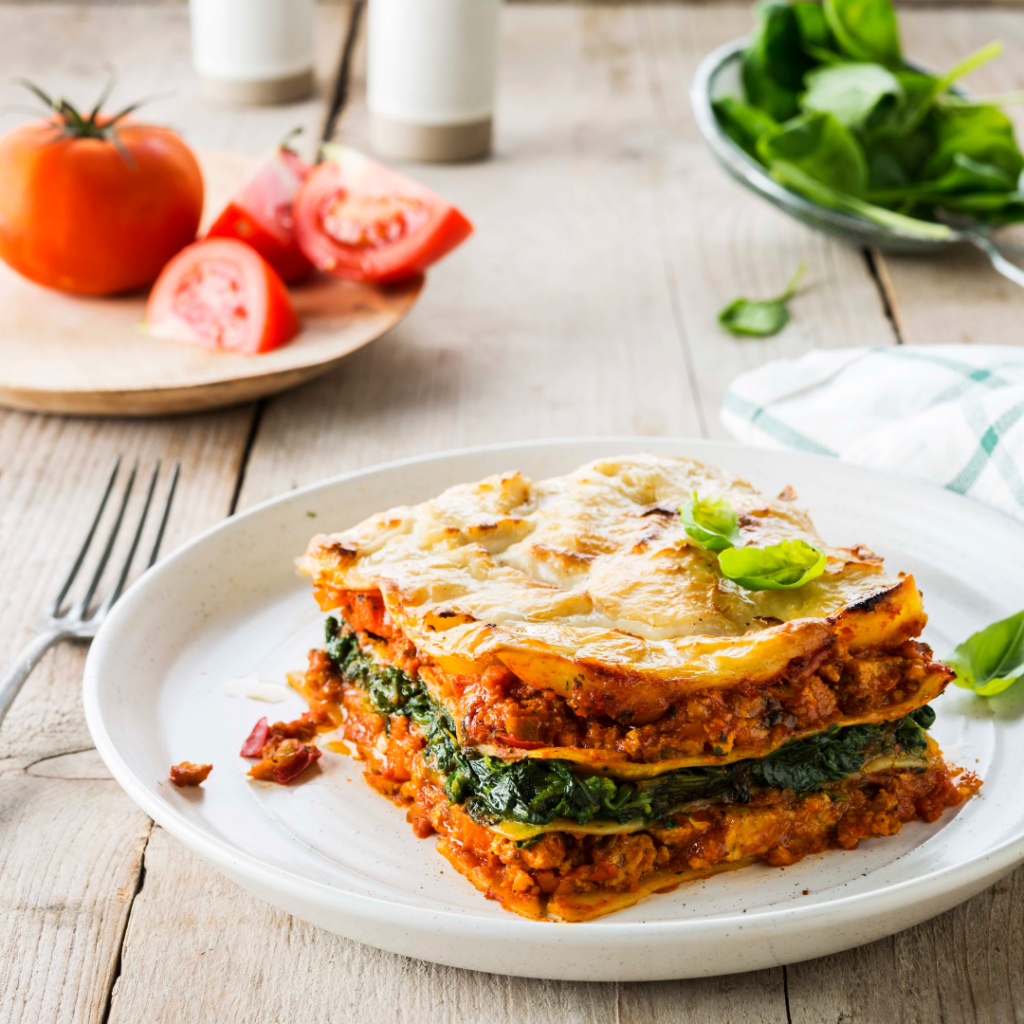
[[584, 305]]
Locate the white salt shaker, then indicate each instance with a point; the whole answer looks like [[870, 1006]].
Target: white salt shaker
[[253, 51], [430, 77]]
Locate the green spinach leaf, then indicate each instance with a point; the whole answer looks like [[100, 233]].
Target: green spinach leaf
[[774, 62], [855, 130], [712, 522], [782, 566], [895, 153], [820, 147], [964, 178], [984, 134], [996, 207], [992, 659], [793, 177], [815, 35], [743, 123], [865, 30], [854, 94], [760, 318], [922, 102]]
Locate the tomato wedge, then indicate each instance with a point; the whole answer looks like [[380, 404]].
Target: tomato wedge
[[358, 219], [221, 294], [260, 213]]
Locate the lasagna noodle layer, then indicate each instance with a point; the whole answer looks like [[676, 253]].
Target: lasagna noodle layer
[[588, 586], [586, 674], [575, 876], [500, 715]]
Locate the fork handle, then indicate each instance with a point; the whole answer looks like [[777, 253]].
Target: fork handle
[[30, 654]]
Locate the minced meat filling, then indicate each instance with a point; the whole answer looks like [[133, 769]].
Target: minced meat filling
[[778, 827], [494, 708], [502, 709]]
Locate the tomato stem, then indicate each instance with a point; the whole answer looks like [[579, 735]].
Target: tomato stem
[[95, 126]]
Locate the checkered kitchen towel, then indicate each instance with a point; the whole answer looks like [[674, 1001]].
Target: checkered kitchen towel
[[953, 414]]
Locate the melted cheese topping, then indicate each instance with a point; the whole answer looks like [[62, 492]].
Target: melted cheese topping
[[578, 580]]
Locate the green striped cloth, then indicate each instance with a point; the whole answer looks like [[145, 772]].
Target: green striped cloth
[[953, 414]]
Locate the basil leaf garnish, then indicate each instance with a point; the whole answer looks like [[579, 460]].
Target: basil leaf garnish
[[782, 566], [711, 522], [992, 659]]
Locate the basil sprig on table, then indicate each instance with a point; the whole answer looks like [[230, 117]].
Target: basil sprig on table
[[833, 112], [760, 318], [713, 523], [991, 660]]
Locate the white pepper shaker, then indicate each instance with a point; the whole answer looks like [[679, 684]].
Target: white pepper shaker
[[253, 51], [430, 77]]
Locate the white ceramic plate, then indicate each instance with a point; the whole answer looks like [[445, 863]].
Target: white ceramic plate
[[331, 851]]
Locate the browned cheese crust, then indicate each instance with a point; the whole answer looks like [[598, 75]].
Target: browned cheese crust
[[589, 582]]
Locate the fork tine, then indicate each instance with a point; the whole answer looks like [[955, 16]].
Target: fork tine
[[80, 608], [83, 550], [164, 517], [130, 557]]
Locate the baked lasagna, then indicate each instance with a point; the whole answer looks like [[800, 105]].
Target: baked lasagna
[[598, 686]]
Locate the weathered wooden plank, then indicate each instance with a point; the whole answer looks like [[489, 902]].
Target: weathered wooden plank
[[556, 318], [148, 48], [754, 998], [53, 468], [721, 241], [965, 966], [70, 854], [70, 839], [957, 296], [51, 477], [486, 358]]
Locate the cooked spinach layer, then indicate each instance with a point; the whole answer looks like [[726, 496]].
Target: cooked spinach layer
[[535, 792]]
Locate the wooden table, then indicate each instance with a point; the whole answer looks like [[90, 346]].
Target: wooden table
[[607, 241]]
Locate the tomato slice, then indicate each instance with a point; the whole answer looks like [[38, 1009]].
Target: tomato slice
[[358, 219], [221, 294], [260, 213]]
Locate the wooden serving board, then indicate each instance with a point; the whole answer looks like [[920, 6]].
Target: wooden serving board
[[63, 353]]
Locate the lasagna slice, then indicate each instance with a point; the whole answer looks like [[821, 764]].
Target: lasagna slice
[[560, 680]]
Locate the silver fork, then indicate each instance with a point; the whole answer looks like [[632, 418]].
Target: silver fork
[[77, 622]]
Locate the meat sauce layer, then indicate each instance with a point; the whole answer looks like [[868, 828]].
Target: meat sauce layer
[[495, 709], [778, 827]]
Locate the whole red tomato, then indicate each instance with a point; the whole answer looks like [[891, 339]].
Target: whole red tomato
[[95, 206]]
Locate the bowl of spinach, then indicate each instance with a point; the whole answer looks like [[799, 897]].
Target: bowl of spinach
[[819, 113]]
